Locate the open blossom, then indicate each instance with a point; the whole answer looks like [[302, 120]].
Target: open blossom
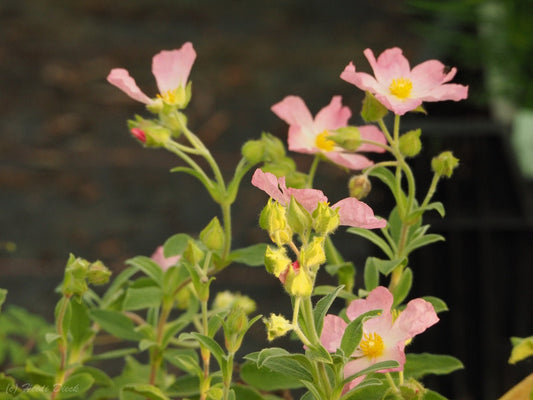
[[402, 89], [311, 135], [384, 336], [171, 69], [164, 262], [352, 212]]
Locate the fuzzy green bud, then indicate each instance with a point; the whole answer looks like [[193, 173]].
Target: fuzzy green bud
[[359, 186], [410, 143], [253, 151], [274, 147], [325, 219], [226, 300], [193, 254], [276, 260], [155, 134], [444, 164], [273, 219], [298, 217], [296, 179], [372, 110], [298, 283], [348, 137], [313, 255], [283, 166], [235, 326], [98, 273], [183, 297], [174, 120], [213, 235], [74, 282], [277, 326]]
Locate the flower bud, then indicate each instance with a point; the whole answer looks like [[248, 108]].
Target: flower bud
[[325, 219], [348, 137], [276, 260], [155, 135], [359, 186], [298, 217], [298, 283], [372, 110], [296, 179], [74, 282], [410, 143], [313, 255], [281, 167], [138, 134], [277, 326], [98, 273], [274, 147], [444, 164], [245, 303], [253, 151], [193, 254], [226, 300], [213, 235], [273, 219]]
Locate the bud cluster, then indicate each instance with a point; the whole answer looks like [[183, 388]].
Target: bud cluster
[[79, 272]]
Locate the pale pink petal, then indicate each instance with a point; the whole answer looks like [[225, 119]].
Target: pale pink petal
[[332, 332], [362, 80], [333, 116], [352, 368], [353, 212], [308, 198], [292, 110], [302, 142], [415, 319], [164, 262], [396, 105], [449, 91], [171, 68], [121, 78], [378, 299], [428, 75], [371, 132], [349, 160], [270, 184], [390, 64]]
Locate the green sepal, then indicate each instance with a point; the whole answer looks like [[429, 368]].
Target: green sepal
[[372, 110], [522, 349], [298, 218]]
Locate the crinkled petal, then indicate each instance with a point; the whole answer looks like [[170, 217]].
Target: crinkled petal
[[333, 116], [303, 142], [121, 78], [371, 132], [362, 80], [349, 160], [428, 75], [378, 299], [308, 198], [292, 110], [171, 68], [270, 184], [449, 91], [396, 105], [391, 64], [415, 319], [353, 212], [332, 332]]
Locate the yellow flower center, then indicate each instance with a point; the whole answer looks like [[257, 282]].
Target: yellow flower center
[[169, 96], [401, 87], [372, 345], [323, 143]]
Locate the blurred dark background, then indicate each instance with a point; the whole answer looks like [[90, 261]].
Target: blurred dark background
[[73, 180]]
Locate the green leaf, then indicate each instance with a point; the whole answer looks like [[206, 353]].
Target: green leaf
[[374, 238], [75, 385], [252, 256], [371, 276], [354, 332], [280, 360], [186, 362], [438, 304], [324, 290], [172, 329], [437, 206], [322, 307], [141, 298], [388, 178], [212, 346], [420, 365], [176, 245], [384, 266], [312, 389], [184, 387], [522, 349], [423, 241], [3, 295], [431, 395], [99, 376], [116, 324], [149, 391], [345, 273], [372, 388], [80, 324], [374, 367], [401, 290], [149, 267], [115, 291], [319, 354], [265, 379], [108, 355]]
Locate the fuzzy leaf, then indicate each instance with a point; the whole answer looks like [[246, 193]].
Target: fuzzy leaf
[[142, 298], [401, 291], [148, 391], [149, 267], [374, 238], [265, 379], [252, 256], [420, 365], [116, 324]]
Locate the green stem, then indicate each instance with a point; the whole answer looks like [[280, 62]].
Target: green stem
[[312, 171], [62, 344], [171, 146], [228, 375], [431, 190], [391, 382], [296, 326], [156, 356], [377, 144], [226, 221]]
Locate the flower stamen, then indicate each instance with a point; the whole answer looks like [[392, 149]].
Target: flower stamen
[[372, 345], [323, 143], [401, 87]]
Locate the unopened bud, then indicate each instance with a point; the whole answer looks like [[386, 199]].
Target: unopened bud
[[325, 219], [273, 219], [213, 235], [253, 151], [410, 143], [74, 282], [98, 273], [138, 134], [313, 255], [193, 254], [277, 326], [348, 137], [183, 297], [372, 110], [274, 147], [149, 132], [281, 167], [298, 217], [276, 260], [298, 283], [444, 164], [359, 186]]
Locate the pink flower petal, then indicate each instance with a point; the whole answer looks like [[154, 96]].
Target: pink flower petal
[[362, 80], [353, 212], [415, 319], [308, 198], [390, 64], [171, 68], [349, 160], [333, 116], [332, 332], [371, 132], [121, 78], [164, 262], [270, 184], [301, 142], [378, 299], [450, 91], [293, 111]]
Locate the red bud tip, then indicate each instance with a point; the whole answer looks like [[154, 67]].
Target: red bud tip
[[139, 134]]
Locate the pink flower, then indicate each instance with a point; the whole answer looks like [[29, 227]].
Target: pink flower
[[310, 136], [171, 69], [352, 212], [402, 89], [384, 336], [164, 262]]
